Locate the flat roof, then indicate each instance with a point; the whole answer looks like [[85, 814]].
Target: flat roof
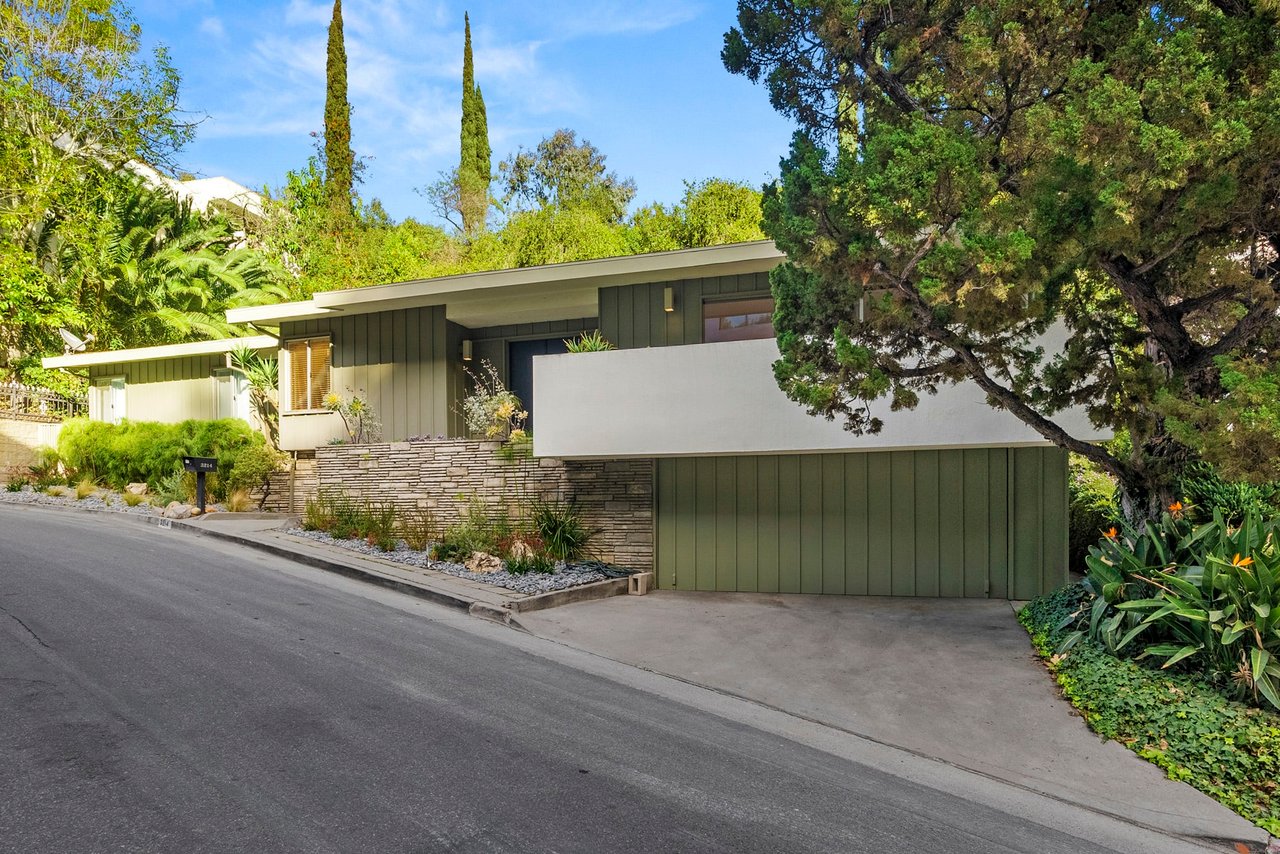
[[481, 298], [166, 351]]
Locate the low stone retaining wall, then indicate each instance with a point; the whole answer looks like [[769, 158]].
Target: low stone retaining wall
[[445, 476], [291, 487], [19, 439]]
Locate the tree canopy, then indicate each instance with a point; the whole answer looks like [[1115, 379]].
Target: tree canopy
[[563, 173], [973, 179], [84, 244]]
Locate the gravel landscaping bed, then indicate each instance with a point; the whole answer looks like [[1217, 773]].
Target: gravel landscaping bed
[[101, 500], [565, 576]]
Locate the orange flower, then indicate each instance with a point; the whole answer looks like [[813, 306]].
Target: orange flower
[[1111, 534], [1238, 561], [1175, 508]]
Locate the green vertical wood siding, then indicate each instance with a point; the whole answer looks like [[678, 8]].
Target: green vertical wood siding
[[405, 362], [631, 316], [954, 523]]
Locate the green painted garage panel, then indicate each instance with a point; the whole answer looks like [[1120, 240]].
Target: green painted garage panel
[[980, 522]]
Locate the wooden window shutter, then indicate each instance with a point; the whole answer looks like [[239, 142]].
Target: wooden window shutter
[[319, 371], [298, 397]]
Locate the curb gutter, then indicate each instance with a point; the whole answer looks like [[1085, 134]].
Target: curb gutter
[[503, 614]]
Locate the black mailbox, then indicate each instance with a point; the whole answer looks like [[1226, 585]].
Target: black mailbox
[[201, 466]]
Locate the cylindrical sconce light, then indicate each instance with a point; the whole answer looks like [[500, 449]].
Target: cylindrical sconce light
[[668, 298], [466, 349]]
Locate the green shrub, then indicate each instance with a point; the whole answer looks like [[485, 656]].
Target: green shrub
[[132, 500], [1205, 492], [147, 451], [252, 470], [317, 514], [1191, 730], [480, 530], [1094, 508], [559, 524], [1205, 598], [530, 563], [174, 486], [379, 526], [417, 528], [344, 518], [48, 468], [16, 484]]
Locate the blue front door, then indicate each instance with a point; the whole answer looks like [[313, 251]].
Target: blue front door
[[520, 368]]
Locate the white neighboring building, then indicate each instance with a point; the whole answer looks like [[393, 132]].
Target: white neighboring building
[[202, 192]]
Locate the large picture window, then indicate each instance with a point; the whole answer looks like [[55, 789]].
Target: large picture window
[[737, 319], [308, 367]]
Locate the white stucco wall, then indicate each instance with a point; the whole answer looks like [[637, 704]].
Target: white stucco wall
[[306, 431], [721, 398]]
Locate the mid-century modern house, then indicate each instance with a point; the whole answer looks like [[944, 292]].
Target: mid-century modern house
[[749, 492]]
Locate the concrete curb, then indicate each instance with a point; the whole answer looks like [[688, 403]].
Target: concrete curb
[[482, 610]]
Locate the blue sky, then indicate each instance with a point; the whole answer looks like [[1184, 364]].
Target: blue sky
[[641, 80]]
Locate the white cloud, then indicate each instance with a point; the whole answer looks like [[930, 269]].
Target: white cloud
[[212, 26], [404, 64], [618, 18], [302, 12]]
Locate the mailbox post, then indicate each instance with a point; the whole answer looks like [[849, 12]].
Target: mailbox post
[[201, 466]]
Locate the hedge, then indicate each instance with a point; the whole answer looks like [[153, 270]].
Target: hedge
[[1194, 732], [147, 451]]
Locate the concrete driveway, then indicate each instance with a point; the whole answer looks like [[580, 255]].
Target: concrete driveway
[[954, 680]]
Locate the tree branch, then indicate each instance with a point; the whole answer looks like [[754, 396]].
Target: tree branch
[[1164, 326], [1194, 304]]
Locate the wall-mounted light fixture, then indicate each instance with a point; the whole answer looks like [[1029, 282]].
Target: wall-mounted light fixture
[[668, 298], [466, 349]]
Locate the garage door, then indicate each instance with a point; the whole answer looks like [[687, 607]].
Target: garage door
[[987, 522]]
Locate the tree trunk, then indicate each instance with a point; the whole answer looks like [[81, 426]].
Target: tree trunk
[[1151, 484]]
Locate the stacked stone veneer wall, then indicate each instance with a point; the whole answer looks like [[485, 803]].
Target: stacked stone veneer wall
[[614, 496], [293, 485]]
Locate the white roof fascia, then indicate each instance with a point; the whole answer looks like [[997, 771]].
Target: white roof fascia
[[731, 259], [276, 312], [756, 256], [166, 351]]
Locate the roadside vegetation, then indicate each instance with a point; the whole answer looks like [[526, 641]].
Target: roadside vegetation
[[1171, 643], [536, 538], [1195, 732], [93, 457]]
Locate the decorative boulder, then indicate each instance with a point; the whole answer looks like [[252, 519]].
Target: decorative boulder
[[136, 489], [481, 562], [520, 550], [177, 510]]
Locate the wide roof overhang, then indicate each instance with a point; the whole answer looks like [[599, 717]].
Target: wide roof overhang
[[165, 351], [528, 294]]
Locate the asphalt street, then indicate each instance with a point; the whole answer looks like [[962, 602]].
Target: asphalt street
[[164, 692]]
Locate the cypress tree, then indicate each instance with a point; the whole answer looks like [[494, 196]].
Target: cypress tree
[[475, 157], [339, 161]]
